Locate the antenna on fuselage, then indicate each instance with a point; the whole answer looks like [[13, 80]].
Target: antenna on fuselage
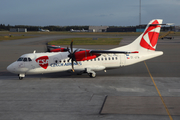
[[34, 51]]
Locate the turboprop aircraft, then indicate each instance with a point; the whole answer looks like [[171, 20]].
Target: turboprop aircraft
[[90, 61], [42, 30]]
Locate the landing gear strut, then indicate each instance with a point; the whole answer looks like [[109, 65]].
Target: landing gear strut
[[91, 73]]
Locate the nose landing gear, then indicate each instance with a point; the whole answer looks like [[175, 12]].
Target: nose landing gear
[[21, 76]]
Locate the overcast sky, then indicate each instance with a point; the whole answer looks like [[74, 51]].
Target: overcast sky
[[87, 12]]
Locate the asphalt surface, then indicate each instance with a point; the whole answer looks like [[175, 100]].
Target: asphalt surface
[[124, 93]]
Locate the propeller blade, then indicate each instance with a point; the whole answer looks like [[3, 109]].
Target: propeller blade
[[76, 62], [69, 59], [68, 49], [71, 46], [72, 55], [75, 51], [72, 62]]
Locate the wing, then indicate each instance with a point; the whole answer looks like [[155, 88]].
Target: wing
[[83, 54], [111, 52]]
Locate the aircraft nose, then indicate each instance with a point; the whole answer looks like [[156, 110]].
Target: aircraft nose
[[10, 68]]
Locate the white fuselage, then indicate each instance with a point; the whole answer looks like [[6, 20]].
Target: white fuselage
[[57, 62]]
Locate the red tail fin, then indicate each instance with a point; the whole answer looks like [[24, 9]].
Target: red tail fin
[[151, 34]]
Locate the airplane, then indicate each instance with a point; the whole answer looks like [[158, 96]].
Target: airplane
[[42, 30], [90, 61], [72, 30]]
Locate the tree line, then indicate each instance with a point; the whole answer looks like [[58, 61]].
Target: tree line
[[4, 27]]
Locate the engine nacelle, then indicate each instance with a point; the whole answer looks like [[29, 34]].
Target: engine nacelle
[[85, 55], [59, 50]]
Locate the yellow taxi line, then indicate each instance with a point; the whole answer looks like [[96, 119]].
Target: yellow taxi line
[[158, 92]]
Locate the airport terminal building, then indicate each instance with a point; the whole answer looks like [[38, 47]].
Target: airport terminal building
[[18, 30], [117, 29], [98, 28]]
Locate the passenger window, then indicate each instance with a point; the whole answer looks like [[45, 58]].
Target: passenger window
[[94, 59], [112, 58], [25, 59], [29, 59], [98, 59], [105, 58], [20, 59], [109, 58], [116, 58], [102, 59]]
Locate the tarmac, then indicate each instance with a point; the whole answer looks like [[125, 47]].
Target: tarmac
[[145, 91]]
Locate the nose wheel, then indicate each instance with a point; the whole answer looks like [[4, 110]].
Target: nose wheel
[[21, 76]]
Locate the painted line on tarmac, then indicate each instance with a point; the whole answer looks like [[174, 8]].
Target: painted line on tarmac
[[158, 92]]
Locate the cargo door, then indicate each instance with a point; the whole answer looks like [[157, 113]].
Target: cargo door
[[122, 60]]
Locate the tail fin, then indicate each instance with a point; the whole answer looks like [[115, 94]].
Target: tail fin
[[151, 34], [147, 40]]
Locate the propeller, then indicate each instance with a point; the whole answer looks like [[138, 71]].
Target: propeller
[[72, 55]]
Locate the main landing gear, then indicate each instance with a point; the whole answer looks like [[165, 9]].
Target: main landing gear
[[91, 73], [21, 76]]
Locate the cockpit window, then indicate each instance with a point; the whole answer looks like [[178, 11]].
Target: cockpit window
[[25, 59], [29, 59], [20, 59]]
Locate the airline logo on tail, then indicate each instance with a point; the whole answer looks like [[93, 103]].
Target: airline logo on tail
[[150, 36]]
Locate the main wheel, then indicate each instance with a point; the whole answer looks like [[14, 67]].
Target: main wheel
[[92, 75]]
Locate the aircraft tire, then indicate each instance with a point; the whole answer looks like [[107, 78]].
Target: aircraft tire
[[92, 75], [20, 78]]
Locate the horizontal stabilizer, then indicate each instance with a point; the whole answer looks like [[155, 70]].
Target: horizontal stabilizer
[[161, 24]]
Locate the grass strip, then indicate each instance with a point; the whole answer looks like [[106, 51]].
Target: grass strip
[[87, 41]]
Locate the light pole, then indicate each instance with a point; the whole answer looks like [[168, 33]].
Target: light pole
[[139, 12]]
